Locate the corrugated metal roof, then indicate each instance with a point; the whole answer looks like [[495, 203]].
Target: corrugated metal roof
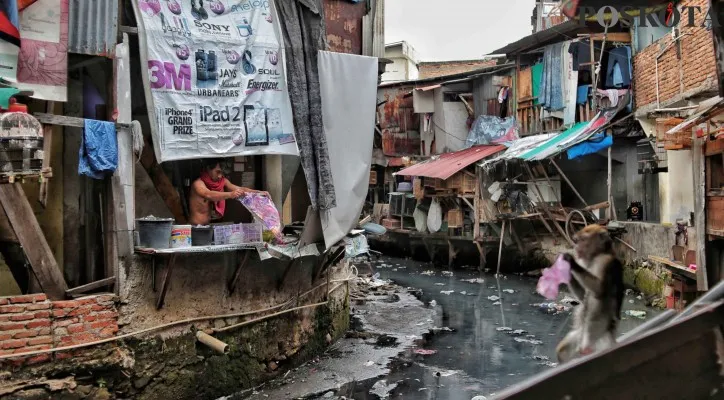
[[449, 164], [705, 109], [518, 147], [93, 27]]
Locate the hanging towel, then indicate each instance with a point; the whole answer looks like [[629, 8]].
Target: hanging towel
[[536, 77], [618, 71], [98, 154], [596, 143]]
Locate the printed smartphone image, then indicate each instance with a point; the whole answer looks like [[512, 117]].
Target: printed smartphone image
[[274, 123], [255, 124]]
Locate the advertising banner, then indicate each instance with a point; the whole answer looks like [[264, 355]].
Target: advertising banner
[[215, 82], [40, 64]]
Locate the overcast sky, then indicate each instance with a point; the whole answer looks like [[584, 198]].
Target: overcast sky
[[456, 29]]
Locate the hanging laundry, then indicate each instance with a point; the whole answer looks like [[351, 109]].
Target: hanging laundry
[[536, 73], [551, 84], [98, 153], [582, 96], [581, 52], [570, 86], [613, 95], [618, 71], [503, 94]]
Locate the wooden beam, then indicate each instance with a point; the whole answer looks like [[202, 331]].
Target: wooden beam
[[90, 286], [702, 283], [237, 273], [166, 278], [163, 184], [500, 247], [31, 237], [7, 233], [544, 206], [565, 178], [61, 120], [597, 206], [623, 37]]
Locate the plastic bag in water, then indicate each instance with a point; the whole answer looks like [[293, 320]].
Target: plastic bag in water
[[553, 276]]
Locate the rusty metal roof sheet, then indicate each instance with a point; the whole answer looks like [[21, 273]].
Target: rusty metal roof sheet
[[449, 164], [93, 27]]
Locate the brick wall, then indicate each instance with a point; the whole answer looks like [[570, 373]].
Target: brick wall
[[32, 322], [697, 61], [432, 69]]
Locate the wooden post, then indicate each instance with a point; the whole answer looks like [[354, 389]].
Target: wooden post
[[30, 236], [594, 77], [500, 247], [548, 179], [47, 151], [476, 205], [702, 283], [609, 213]]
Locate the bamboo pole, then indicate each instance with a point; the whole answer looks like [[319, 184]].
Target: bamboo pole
[[609, 213]]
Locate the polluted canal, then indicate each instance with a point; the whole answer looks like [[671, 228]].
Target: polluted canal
[[422, 332]]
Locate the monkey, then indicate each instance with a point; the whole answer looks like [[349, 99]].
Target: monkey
[[597, 282]]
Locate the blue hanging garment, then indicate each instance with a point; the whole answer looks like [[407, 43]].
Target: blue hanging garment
[[98, 154]]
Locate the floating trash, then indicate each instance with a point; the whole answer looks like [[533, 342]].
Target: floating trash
[[497, 303], [503, 329], [447, 273], [518, 332], [508, 290], [439, 284], [493, 298], [463, 293], [447, 292], [473, 280], [541, 358], [433, 303], [636, 313], [428, 272], [531, 341], [424, 352]]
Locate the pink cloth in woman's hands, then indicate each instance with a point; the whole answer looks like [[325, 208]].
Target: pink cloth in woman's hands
[[553, 276]]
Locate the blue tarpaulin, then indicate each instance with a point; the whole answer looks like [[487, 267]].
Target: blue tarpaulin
[[595, 144]]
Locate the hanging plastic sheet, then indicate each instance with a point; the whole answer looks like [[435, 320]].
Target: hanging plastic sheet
[[595, 144], [489, 129]]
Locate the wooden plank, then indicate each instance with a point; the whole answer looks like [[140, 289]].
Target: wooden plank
[[30, 236], [702, 283], [640, 359], [597, 206], [90, 286], [7, 233], [676, 267], [623, 37], [163, 184], [164, 283], [62, 120]]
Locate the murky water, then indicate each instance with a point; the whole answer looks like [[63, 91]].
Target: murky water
[[500, 337]]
